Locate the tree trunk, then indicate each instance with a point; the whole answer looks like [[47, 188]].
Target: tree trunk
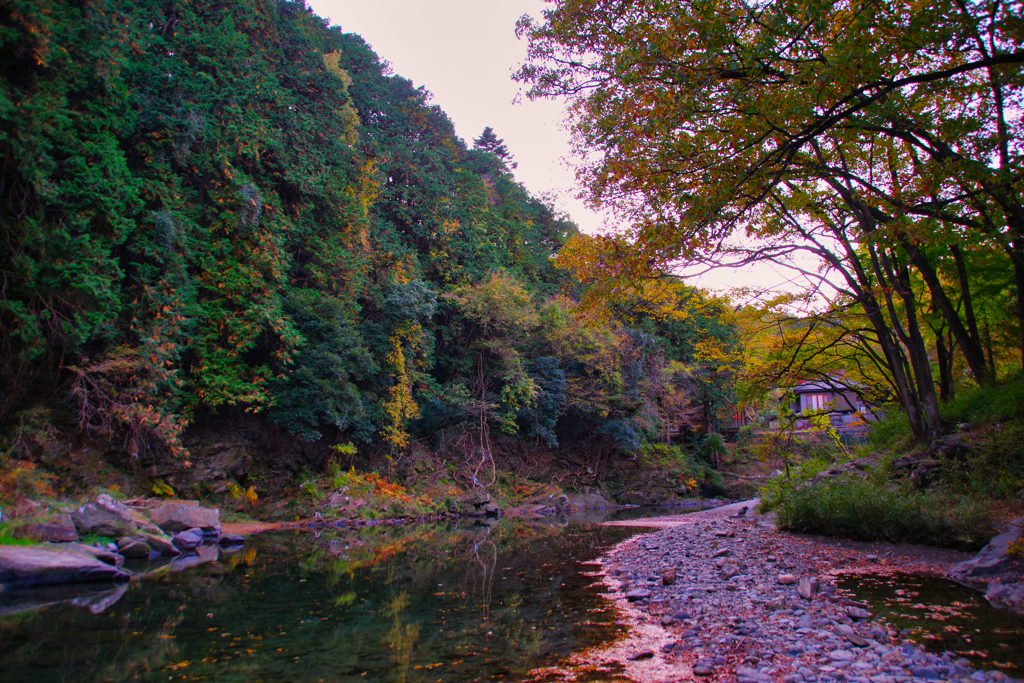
[[945, 358], [969, 345]]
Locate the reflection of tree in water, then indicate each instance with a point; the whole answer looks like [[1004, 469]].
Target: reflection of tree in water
[[154, 652], [412, 604], [486, 554], [402, 637]]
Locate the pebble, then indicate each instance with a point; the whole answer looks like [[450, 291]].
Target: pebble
[[768, 613]]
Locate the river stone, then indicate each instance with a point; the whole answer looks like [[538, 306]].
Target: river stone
[[55, 533], [133, 549], [668, 577], [749, 674], [851, 635], [186, 540], [104, 517], [164, 546], [926, 672], [703, 669], [787, 579], [806, 588], [729, 571], [640, 656], [587, 501], [638, 594], [177, 516], [25, 566], [841, 656], [857, 613], [106, 555]]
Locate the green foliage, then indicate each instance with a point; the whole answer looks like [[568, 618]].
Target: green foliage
[[311, 490], [711, 448], [6, 537], [541, 416], [162, 488], [212, 206], [987, 405], [321, 388], [865, 511]]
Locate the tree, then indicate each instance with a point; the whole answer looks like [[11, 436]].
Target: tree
[[709, 120], [489, 142]]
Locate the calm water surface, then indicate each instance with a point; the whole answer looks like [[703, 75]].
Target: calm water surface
[[407, 604], [945, 617]]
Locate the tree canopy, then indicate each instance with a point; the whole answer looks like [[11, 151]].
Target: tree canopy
[[875, 137], [210, 209]]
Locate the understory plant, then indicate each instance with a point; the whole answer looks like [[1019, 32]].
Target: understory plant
[[864, 510]]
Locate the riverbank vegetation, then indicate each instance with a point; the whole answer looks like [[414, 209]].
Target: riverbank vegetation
[[868, 150], [240, 253], [949, 493], [243, 261]]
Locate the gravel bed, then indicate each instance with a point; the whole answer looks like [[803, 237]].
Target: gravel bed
[[740, 601]]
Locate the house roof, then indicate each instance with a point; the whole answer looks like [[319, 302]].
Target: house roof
[[817, 387]]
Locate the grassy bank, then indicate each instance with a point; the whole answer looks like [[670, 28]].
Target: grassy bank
[[952, 492]]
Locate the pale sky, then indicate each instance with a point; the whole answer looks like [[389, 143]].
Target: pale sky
[[464, 52]]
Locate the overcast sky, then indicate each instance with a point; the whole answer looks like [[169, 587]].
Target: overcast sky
[[464, 52]]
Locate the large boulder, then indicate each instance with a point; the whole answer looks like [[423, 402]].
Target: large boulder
[[587, 501], [994, 560], [1006, 596], [103, 554], [104, 517], [58, 533], [26, 566], [162, 545], [953, 447], [133, 549], [186, 540], [175, 516]]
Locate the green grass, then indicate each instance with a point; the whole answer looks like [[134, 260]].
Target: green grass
[[866, 511], [978, 406], [982, 470], [986, 405], [7, 539]]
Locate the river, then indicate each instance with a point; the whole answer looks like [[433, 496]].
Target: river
[[420, 603]]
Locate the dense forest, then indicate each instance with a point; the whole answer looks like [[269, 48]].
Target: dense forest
[[216, 213]]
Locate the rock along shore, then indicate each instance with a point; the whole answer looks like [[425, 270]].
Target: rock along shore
[[716, 597]]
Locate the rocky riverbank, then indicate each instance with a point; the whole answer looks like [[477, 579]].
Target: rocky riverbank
[[728, 598], [141, 530]]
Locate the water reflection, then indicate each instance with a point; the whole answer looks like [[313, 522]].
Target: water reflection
[[93, 597], [404, 604], [945, 617]]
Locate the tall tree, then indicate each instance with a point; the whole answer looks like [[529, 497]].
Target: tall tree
[[704, 119]]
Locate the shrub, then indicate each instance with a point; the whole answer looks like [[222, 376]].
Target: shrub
[[865, 511]]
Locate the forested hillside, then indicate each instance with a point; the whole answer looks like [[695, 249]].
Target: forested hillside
[[218, 209]]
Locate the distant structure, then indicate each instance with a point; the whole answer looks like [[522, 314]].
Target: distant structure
[[849, 415]]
